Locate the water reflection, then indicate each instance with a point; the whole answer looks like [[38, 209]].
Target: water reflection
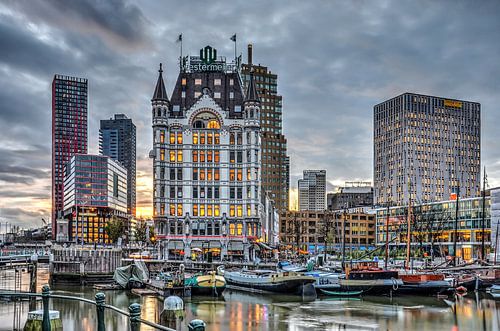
[[243, 311]]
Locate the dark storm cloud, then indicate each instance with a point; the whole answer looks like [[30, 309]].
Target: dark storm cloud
[[117, 22], [334, 59]]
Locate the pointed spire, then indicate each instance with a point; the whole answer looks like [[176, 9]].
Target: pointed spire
[[160, 91], [251, 94]]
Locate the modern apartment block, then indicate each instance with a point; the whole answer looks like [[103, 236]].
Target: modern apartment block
[[312, 231], [117, 139], [432, 227], [275, 162], [352, 194], [312, 190], [426, 148], [69, 133], [95, 190], [207, 160]]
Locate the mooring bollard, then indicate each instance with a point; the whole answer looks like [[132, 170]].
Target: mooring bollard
[[196, 325], [99, 301], [135, 316], [45, 302]]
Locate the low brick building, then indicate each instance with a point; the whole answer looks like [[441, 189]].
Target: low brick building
[[307, 230]]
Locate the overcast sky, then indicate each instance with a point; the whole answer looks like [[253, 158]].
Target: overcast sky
[[334, 59]]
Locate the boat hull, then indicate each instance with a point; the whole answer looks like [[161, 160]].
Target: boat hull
[[211, 284], [426, 288], [371, 286], [296, 285]]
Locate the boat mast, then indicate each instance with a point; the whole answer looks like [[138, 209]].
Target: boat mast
[[496, 244], [387, 237], [483, 216], [343, 239], [455, 234], [408, 232]]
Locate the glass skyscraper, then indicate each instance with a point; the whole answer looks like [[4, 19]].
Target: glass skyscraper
[[69, 132], [426, 148], [117, 139]]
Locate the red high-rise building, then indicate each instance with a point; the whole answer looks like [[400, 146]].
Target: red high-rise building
[[69, 133]]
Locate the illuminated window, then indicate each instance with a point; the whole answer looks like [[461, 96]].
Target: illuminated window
[[249, 174], [195, 210], [209, 210], [172, 209], [195, 156], [217, 139], [179, 156], [217, 82], [172, 138], [202, 156], [216, 157], [195, 174], [183, 81], [239, 229], [179, 138], [162, 136], [179, 210], [216, 174], [162, 209], [231, 210], [202, 138], [213, 124], [202, 210], [249, 210], [172, 156], [231, 138], [231, 229], [217, 95], [240, 210], [162, 154], [240, 175], [216, 210], [231, 156], [210, 138], [209, 156], [197, 81], [195, 138], [209, 174], [202, 174], [231, 174]]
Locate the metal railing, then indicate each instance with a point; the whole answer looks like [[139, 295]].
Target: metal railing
[[134, 310]]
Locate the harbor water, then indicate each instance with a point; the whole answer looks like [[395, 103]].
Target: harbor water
[[241, 311]]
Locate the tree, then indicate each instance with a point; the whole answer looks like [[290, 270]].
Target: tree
[[144, 232], [141, 231], [114, 228]]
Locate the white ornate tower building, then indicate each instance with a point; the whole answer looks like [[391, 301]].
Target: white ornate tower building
[[206, 161]]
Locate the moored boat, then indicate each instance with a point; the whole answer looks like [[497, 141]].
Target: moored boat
[[424, 284], [366, 276], [206, 284], [341, 293], [325, 280], [269, 281]]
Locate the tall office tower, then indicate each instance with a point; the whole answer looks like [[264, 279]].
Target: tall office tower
[[95, 190], [69, 133], [117, 140], [206, 160], [275, 181], [312, 190], [426, 147]]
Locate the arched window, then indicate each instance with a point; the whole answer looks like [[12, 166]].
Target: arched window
[[251, 113], [213, 124], [199, 125]]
